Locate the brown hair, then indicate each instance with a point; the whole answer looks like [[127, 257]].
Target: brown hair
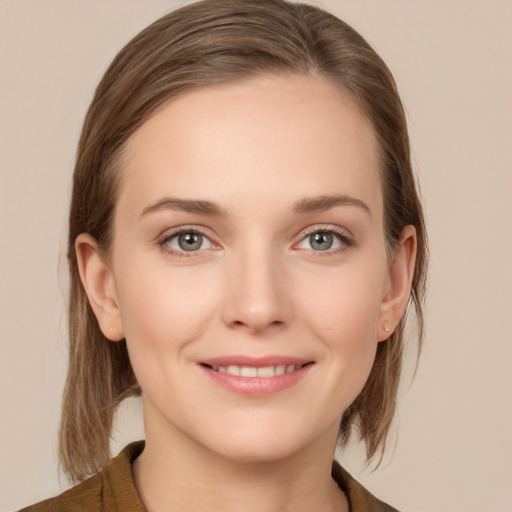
[[206, 43]]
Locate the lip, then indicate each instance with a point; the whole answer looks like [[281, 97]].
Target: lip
[[256, 386]]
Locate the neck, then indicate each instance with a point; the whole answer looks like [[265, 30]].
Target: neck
[[175, 473]]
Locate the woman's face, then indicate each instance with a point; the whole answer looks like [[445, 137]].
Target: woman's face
[[249, 264]]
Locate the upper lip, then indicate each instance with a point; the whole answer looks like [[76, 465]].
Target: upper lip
[[255, 362]]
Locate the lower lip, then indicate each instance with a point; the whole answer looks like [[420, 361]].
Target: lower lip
[[257, 386]]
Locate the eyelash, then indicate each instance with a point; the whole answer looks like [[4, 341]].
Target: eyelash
[[167, 237], [344, 239]]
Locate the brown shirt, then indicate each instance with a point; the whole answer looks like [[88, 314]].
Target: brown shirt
[[113, 490]]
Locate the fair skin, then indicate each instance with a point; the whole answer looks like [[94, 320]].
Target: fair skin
[[248, 237]]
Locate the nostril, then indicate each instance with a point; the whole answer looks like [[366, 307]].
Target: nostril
[[255, 326]]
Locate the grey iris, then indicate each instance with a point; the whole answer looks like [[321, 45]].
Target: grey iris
[[321, 241], [190, 241]]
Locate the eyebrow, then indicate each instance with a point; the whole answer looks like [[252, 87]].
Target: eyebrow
[[322, 203], [303, 206], [185, 205]]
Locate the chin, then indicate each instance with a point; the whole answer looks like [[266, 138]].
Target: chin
[[260, 450], [267, 442]]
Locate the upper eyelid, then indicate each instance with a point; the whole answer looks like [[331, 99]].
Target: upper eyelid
[[328, 228], [193, 228]]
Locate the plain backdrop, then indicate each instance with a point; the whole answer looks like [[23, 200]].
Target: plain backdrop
[[451, 450]]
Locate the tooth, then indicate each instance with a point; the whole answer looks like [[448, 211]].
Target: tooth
[[248, 371], [251, 371], [233, 369], [266, 371], [280, 369]]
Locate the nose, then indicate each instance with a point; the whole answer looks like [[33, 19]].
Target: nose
[[258, 295]]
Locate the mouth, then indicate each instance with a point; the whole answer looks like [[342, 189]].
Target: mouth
[[256, 376], [257, 371]]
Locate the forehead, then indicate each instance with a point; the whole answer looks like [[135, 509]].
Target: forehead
[[292, 135]]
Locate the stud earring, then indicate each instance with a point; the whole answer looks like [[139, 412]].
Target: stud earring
[[386, 328]]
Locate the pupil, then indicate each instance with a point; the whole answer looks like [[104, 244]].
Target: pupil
[[190, 241], [321, 241]]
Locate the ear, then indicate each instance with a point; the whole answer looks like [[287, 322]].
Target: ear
[[98, 281], [398, 289]]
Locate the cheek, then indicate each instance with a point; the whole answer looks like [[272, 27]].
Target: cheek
[[163, 310], [345, 302], [343, 309]]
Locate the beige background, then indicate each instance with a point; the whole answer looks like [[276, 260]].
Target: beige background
[[452, 60]]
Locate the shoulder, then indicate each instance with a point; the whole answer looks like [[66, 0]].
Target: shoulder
[[84, 496], [111, 489], [359, 498]]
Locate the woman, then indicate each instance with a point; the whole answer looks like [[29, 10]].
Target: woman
[[245, 237]]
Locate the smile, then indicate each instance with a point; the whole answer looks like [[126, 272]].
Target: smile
[[256, 377], [252, 371]]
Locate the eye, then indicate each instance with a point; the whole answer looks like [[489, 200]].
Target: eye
[[323, 240], [187, 241]]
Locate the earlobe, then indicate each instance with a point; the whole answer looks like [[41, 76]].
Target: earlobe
[[98, 282], [400, 276]]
